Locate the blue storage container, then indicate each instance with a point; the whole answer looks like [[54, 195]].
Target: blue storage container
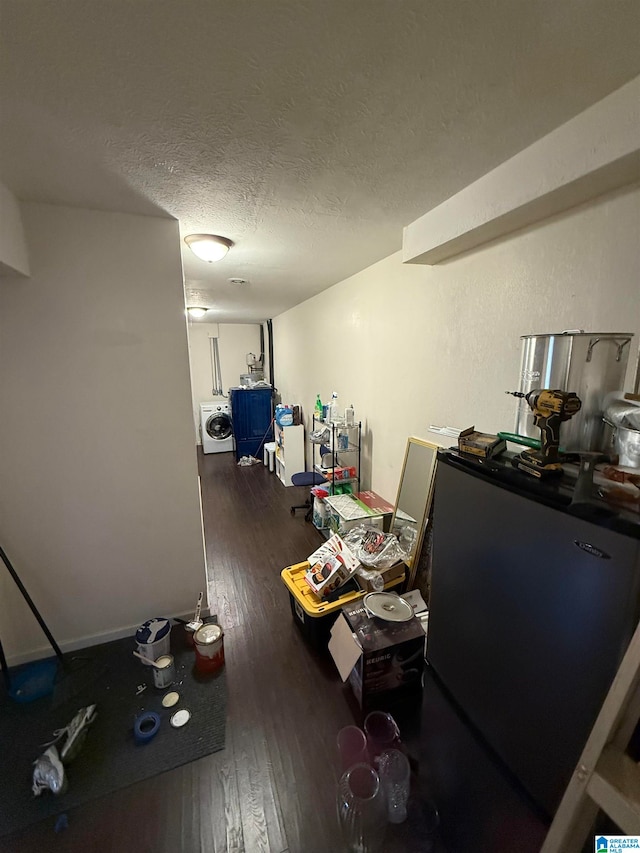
[[284, 415], [252, 416]]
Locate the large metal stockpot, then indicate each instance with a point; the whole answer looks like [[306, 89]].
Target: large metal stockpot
[[589, 363]]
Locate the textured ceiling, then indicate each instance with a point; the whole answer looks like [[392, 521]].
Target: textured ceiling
[[307, 131]]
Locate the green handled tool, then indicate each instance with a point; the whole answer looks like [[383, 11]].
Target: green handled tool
[[516, 438], [520, 439]]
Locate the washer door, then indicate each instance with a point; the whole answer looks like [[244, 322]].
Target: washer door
[[219, 427]]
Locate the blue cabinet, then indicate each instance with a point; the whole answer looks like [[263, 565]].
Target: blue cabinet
[[252, 415]]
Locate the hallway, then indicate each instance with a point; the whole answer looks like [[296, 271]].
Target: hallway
[[272, 788], [276, 776]]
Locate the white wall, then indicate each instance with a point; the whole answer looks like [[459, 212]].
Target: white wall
[[99, 500], [235, 340], [412, 346], [13, 247]]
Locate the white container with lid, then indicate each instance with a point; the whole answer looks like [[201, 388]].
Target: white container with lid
[[153, 638]]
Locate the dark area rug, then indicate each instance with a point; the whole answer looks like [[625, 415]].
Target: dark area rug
[[106, 675]]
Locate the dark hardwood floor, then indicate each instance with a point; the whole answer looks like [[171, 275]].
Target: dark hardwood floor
[[273, 787]]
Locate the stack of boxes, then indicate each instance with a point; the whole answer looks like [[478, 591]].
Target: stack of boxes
[[382, 661]]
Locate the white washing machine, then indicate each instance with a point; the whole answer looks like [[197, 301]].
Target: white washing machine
[[216, 427]]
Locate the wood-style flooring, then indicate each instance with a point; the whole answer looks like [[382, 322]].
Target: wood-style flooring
[[273, 787]]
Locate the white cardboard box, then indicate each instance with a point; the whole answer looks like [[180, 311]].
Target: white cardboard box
[[345, 511], [330, 566]]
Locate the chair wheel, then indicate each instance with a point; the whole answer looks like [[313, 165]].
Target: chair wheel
[[292, 511]]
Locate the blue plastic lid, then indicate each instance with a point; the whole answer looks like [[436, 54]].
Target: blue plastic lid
[[153, 630]]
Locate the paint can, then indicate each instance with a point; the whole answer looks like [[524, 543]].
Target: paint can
[[164, 672], [209, 645], [188, 633], [153, 638]]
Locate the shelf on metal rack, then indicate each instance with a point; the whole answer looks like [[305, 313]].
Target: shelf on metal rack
[[326, 473], [330, 446]]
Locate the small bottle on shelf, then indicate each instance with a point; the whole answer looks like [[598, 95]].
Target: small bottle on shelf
[[318, 407], [349, 416], [332, 414]]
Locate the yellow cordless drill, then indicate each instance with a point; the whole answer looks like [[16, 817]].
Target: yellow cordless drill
[[550, 409]]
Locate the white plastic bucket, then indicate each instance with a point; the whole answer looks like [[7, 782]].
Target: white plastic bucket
[[153, 638]]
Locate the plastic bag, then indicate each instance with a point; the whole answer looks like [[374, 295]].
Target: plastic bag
[[319, 492], [74, 734], [373, 548], [245, 461], [320, 436], [408, 537], [49, 773], [373, 577]]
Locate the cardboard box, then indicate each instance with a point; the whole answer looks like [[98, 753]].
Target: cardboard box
[[379, 659], [346, 511], [330, 566], [480, 444], [320, 513], [388, 575], [378, 505], [420, 610]]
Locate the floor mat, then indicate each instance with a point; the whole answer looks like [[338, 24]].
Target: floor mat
[[107, 675]]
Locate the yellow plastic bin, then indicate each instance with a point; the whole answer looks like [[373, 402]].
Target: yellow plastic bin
[[313, 615]]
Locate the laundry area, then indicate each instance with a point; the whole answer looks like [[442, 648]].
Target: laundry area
[[320, 429]]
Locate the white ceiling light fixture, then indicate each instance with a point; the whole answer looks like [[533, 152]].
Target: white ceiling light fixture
[[208, 247], [196, 312]]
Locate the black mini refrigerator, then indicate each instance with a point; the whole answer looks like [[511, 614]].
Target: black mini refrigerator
[[252, 416], [531, 611]]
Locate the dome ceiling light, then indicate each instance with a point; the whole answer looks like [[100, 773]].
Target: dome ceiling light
[[208, 247], [196, 312]]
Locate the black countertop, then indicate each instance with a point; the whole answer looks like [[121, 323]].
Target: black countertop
[[557, 493]]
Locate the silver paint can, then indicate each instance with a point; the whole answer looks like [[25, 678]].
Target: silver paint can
[[164, 672]]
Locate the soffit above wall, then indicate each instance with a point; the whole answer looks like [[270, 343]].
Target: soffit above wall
[[593, 153]]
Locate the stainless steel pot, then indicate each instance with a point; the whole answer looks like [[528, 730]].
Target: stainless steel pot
[[626, 444], [591, 364]]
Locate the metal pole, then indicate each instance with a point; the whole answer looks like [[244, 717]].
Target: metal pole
[[32, 607], [5, 669]]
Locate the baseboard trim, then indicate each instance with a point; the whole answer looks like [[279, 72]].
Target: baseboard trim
[[93, 640]]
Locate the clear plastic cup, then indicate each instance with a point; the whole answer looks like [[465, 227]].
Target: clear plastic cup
[[382, 733], [352, 747], [395, 775]]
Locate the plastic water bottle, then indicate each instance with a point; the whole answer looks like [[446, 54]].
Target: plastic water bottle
[[333, 408], [349, 416]]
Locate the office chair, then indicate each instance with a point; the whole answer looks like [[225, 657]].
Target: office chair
[[310, 479]]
